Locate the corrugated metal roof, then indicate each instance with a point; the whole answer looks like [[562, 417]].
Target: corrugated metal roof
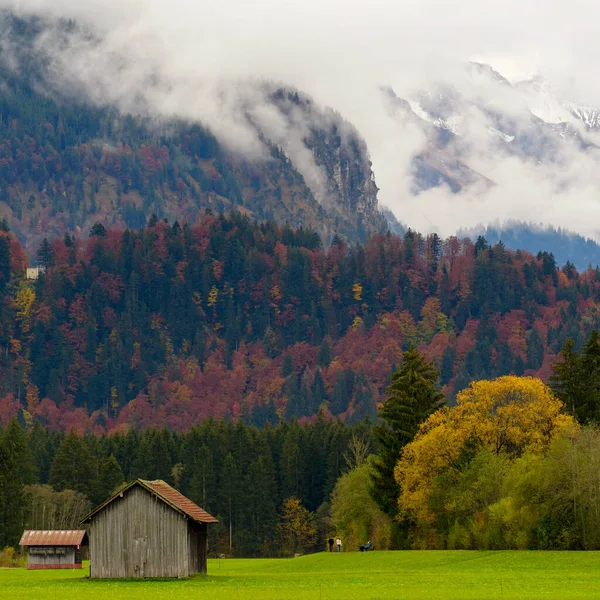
[[177, 499], [167, 494], [61, 537]]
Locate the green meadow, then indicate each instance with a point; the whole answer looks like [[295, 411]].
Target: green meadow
[[346, 576]]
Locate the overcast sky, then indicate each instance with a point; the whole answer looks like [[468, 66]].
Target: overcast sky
[[340, 52]]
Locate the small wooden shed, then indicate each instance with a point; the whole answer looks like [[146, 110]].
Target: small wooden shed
[[53, 549], [147, 529]]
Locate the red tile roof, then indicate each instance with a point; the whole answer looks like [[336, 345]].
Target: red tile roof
[[52, 538], [164, 491], [168, 495]]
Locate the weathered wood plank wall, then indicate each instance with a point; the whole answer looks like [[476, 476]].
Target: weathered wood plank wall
[[51, 555], [139, 536]]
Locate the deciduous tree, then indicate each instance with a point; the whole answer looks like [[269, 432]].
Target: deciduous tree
[[509, 415], [297, 526]]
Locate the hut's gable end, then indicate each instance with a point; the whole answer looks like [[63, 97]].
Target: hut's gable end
[[138, 535]]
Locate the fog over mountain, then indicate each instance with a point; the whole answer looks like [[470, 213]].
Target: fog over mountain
[[452, 146]]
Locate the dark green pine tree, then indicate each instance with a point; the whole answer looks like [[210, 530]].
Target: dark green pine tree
[[45, 254], [287, 366], [155, 457], [318, 389], [229, 495], [203, 484], [568, 381], [412, 396], [365, 406], [42, 444], [16, 470], [98, 230], [325, 355], [74, 467], [110, 478], [447, 369], [340, 397], [260, 511], [4, 261], [590, 375], [291, 463], [535, 350]]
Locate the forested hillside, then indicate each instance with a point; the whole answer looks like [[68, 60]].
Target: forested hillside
[[66, 163], [238, 319], [566, 246]]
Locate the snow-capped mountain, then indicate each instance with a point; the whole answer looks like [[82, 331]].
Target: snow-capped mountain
[[527, 119]]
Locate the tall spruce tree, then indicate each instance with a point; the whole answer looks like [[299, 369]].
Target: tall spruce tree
[[74, 467], [45, 254], [568, 381], [229, 489], [16, 470], [110, 477], [590, 374], [412, 396]]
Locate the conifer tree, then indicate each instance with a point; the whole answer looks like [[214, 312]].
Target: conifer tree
[[16, 470], [110, 477], [73, 467], [45, 254], [4, 261], [590, 375], [259, 502], [98, 230], [291, 460], [325, 355], [230, 493], [568, 380], [411, 397]]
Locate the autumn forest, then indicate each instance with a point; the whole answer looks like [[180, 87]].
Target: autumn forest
[[235, 319]]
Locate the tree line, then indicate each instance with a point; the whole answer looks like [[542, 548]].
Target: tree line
[[255, 481]]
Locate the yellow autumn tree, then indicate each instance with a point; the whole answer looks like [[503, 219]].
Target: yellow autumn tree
[[297, 526], [429, 318], [23, 304], [213, 295], [509, 415]]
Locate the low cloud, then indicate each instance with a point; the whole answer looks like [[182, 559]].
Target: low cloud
[[202, 60]]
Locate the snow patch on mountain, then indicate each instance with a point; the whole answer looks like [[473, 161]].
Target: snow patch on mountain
[[587, 114], [542, 101], [418, 110], [501, 135], [453, 124]]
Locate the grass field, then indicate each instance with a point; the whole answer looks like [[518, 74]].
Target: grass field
[[398, 575]]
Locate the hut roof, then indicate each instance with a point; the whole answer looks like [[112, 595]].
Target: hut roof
[[166, 493], [52, 538]]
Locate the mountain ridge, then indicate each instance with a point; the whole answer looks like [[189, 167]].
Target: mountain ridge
[[68, 163]]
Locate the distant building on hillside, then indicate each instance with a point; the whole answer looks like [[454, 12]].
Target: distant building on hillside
[[53, 549], [147, 529], [35, 272]]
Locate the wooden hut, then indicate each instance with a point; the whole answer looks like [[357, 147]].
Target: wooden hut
[[53, 549], [147, 529]]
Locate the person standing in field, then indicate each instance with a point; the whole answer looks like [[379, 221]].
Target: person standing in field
[[330, 542], [339, 544]]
